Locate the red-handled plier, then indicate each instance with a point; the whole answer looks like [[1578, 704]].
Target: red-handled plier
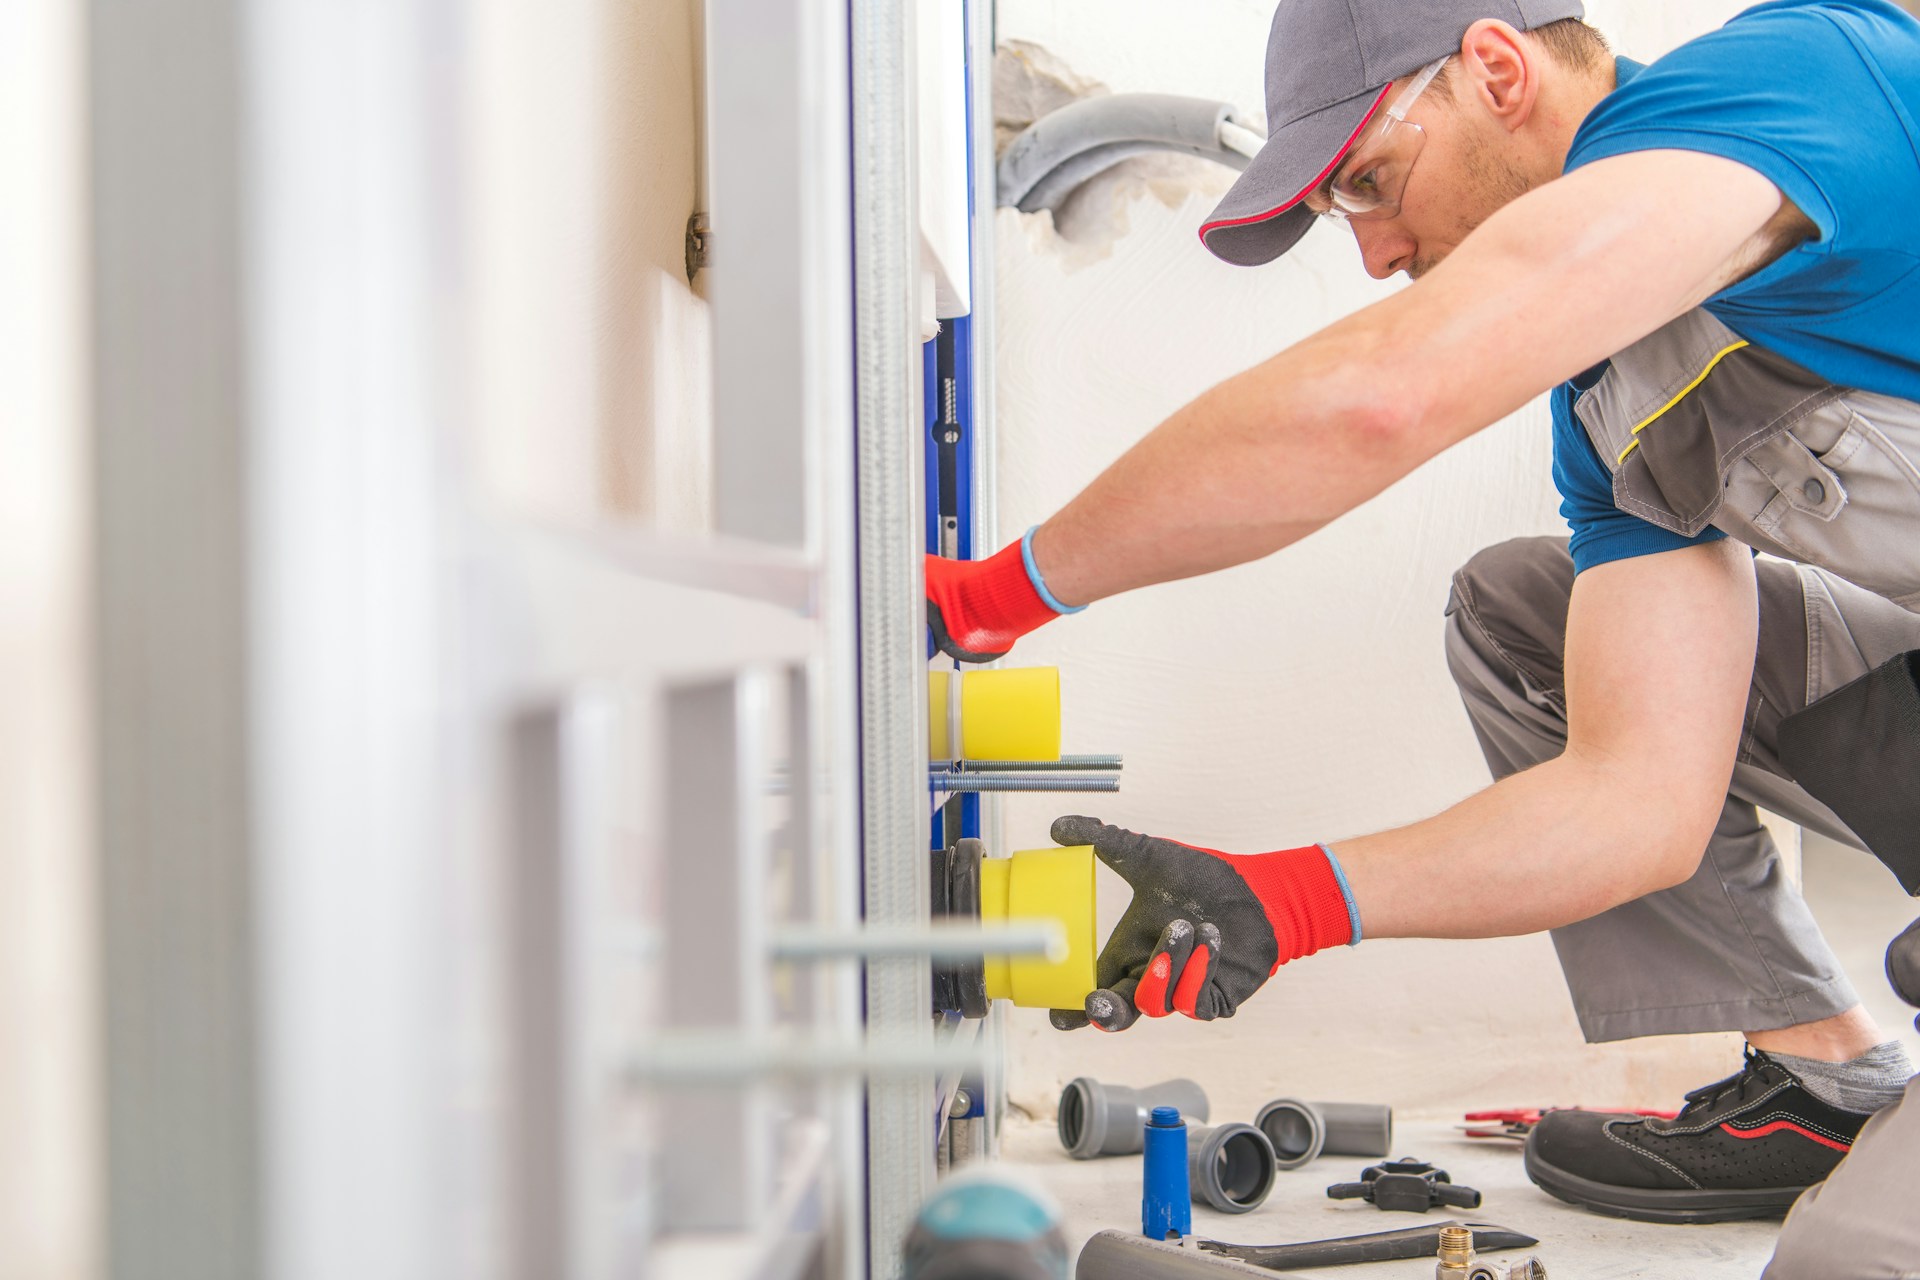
[[1518, 1122]]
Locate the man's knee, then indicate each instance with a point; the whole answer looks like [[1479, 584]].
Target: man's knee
[[1509, 606]]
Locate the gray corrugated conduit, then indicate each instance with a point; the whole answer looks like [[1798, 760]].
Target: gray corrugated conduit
[[1064, 148]]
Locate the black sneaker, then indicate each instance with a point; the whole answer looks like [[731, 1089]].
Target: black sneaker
[[1745, 1147]]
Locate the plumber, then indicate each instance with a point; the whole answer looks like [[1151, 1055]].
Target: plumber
[[1712, 264]]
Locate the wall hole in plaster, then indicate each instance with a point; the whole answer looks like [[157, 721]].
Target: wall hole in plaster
[[1028, 82]]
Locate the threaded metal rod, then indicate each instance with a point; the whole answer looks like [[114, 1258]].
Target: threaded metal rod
[[1034, 766], [1022, 782]]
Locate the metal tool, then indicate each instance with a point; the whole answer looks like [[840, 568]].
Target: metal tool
[[1407, 1186], [1378, 1246], [1126, 1255]]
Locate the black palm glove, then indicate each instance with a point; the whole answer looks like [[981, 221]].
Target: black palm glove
[[1196, 937], [1205, 929]]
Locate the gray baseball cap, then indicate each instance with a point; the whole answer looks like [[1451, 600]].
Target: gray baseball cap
[[1329, 65]]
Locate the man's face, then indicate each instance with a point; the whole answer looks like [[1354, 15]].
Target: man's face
[[1466, 169]]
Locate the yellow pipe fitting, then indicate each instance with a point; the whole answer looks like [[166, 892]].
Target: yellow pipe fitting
[[1042, 884], [939, 685], [1011, 714], [1008, 714]]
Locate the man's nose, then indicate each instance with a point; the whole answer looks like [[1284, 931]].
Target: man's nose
[[1384, 247]]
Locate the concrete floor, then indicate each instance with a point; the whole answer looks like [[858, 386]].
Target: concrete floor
[[1096, 1194], [1859, 908]]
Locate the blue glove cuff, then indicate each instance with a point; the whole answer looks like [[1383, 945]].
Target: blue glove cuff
[[1346, 895], [1033, 576]]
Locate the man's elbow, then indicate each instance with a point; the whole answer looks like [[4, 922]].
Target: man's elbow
[[1380, 424], [1676, 845], [1673, 866], [1657, 825], [1360, 388]]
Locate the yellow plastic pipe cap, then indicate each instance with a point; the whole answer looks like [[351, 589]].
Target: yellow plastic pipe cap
[[1011, 714], [1042, 884], [938, 683]]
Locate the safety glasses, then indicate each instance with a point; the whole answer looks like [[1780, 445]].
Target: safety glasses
[[1374, 177]]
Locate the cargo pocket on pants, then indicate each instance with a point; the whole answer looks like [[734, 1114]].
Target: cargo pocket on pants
[[1857, 751]]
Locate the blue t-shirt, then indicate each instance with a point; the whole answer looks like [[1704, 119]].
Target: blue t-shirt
[[1821, 97]]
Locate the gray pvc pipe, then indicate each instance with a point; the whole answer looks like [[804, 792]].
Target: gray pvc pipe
[[1064, 148], [1357, 1128], [1110, 1119], [1303, 1131], [1295, 1129], [1124, 1255], [1231, 1167]]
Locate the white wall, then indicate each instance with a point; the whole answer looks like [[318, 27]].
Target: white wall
[[1303, 698], [49, 1188], [584, 165]]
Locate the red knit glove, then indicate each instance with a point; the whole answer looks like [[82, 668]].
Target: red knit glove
[[978, 608], [1205, 929]]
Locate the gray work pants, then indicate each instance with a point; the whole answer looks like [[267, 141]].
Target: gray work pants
[[1734, 948], [1863, 1222]]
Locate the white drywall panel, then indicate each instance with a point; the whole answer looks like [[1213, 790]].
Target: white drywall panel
[[583, 165], [50, 1166], [658, 376], [940, 108], [1302, 698]]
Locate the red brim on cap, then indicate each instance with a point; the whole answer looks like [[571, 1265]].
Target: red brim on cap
[[1262, 217]]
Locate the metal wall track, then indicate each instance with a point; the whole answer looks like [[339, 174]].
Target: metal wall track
[[892, 625], [985, 445]]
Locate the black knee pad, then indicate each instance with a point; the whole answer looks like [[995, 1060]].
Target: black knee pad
[[1857, 751]]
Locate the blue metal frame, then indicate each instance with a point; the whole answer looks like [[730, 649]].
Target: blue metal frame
[[962, 329]]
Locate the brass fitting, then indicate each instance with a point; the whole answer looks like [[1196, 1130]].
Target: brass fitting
[[1457, 1261], [1456, 1254]]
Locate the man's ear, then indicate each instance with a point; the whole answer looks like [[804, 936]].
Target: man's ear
[[1500, 72]]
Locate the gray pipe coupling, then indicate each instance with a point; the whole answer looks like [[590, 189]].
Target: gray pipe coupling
[[1110, 1119], [1231, 1167], [1303, 1131]]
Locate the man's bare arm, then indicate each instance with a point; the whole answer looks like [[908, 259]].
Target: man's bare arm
[[1552, 284], [1659, 661]]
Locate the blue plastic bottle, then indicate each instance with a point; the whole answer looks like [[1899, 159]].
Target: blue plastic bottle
[[1166, 1205]]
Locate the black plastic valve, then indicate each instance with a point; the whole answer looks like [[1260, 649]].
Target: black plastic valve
[[1409, 1186]]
